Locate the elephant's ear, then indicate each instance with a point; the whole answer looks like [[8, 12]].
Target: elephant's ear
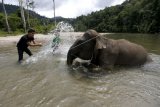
[[100, 43]]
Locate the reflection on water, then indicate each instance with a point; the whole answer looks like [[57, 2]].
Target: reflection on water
[[48, 82]]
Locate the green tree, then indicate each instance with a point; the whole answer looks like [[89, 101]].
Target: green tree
[[131, 16]]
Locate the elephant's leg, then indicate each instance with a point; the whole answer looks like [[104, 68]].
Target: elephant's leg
[[107, 61]]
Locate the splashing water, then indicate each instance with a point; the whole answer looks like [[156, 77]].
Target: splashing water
[[63, 27], [52, 46]]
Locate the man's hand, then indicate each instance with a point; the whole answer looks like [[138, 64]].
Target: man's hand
[[39, 44], [34, 44]]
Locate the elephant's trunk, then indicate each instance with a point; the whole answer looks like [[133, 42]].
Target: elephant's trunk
[[70, 58]]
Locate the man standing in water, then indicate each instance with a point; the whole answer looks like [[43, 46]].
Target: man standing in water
[[24, 42]]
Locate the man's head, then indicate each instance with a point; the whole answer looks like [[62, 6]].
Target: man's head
[[31, 32]]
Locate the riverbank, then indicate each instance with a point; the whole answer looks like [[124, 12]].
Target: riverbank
[[38, 37], [14, 39]]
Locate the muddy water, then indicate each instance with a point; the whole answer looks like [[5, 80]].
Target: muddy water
[[44, 80]]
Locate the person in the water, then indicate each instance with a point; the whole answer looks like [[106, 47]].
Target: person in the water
[[24, 42]]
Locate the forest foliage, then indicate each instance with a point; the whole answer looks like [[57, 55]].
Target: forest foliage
[[140, 16], [40, 23]]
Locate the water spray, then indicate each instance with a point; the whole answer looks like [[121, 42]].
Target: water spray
[[53, 45], [61, 27]]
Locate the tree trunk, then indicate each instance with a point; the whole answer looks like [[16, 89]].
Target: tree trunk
[[54, 12], [22, 14], [6, 18], [27, 2]]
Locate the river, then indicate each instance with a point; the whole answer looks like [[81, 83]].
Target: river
[[44, 80]]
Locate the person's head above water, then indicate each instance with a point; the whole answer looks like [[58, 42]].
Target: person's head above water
[[31, 32]]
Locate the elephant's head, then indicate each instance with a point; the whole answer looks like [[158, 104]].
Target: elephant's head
[[85, 47]]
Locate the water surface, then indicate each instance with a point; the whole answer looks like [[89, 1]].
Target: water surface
[[44, 80]]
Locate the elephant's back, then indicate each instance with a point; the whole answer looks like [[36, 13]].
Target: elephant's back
[[127, 46], [131, 53]]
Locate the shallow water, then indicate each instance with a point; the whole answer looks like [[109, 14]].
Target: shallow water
[[44, 80]]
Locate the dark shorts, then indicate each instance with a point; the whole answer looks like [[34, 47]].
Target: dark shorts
[[20, 53]]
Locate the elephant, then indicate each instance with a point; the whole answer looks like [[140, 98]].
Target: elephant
[[106, 53]]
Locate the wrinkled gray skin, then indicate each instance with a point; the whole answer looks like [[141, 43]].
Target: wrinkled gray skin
[[105, 52]]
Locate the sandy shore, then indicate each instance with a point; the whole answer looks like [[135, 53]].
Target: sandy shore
[[39, 37], [15, 39]]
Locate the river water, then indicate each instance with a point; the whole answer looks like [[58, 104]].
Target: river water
[[44, 80]]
